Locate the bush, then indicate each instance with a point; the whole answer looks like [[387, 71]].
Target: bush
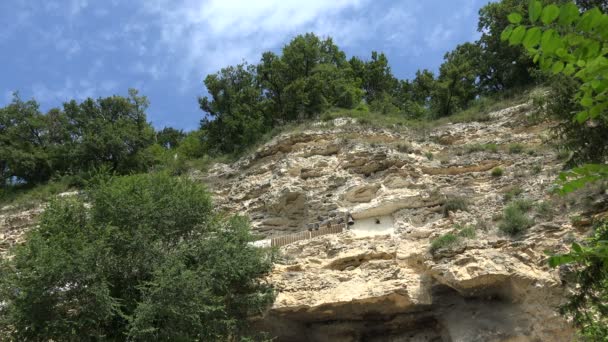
[[450, 239], [364, 122], [404, 147], [586, 142], [516, 148], [497, 172], [563, 155], [514, 219], [482, 147], [513, 192], [327, 116], [586, 305], [523, 204], [147, 261], [453, 204], [545, 210], [443, 241], [467, 232], [429, 155]]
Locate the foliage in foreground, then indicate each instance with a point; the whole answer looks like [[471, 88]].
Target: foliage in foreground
[[573, 43], [147, 261], [588, 306], [563, 40]]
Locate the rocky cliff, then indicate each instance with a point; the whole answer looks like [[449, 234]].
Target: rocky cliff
[[379, 280], [387, 277]]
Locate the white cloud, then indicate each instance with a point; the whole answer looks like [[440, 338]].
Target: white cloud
[[154, 70], [204, 36], [78, 90], [76, 6], [439, 37], [68, 47]]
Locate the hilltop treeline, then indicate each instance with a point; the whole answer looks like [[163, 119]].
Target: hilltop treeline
[[313, 74], [310, 76]]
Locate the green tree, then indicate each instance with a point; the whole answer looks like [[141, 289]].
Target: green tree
[[423, 85], [272, 72], [170, 137], [456, 85], [145, 259], [588, 305], [24, 143], [502, 66], [586, 5], [570, 42], [236, 118], [308, 62], [565, 40], [111, 132], [586, 141], [377, 79]]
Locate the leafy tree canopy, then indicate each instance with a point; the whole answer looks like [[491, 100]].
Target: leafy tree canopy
[[146, 260], [564, 40]]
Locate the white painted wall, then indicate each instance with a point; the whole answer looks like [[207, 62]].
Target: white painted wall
[[369, 227], [261, 243]]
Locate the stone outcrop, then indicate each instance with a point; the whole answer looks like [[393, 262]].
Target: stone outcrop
[[373, 284], [368, 284], [14, 222]]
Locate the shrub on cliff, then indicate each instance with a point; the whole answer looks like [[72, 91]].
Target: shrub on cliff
[[147, 260], [515, 220], [454, 204]]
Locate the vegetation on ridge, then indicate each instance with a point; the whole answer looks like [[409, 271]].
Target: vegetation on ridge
[[148, 260], [573, 43]]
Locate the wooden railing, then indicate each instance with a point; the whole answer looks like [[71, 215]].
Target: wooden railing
[[308, 234]]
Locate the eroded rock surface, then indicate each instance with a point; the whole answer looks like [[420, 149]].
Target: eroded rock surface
[[374, 285], [377, 284]]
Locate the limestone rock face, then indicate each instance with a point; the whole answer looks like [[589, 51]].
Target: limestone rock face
[[14, 223], [373, 284], [379, 280]]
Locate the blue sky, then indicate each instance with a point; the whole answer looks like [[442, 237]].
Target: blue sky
[[56, 50]]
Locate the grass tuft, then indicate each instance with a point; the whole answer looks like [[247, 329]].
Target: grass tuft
[[497, 172]]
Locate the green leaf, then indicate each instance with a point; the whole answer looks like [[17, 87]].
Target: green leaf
[[557, 67], [532, 37], [569, 69], [595, 17], [515, 18], [550, 41], [595, 111], [506, 33], [576, 247], [550, 13], [586, 22], [592, 50], [587, 101], [518, 35], [558, 260], [534, 10], [568, 14], [545, 63], [581, 117]]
